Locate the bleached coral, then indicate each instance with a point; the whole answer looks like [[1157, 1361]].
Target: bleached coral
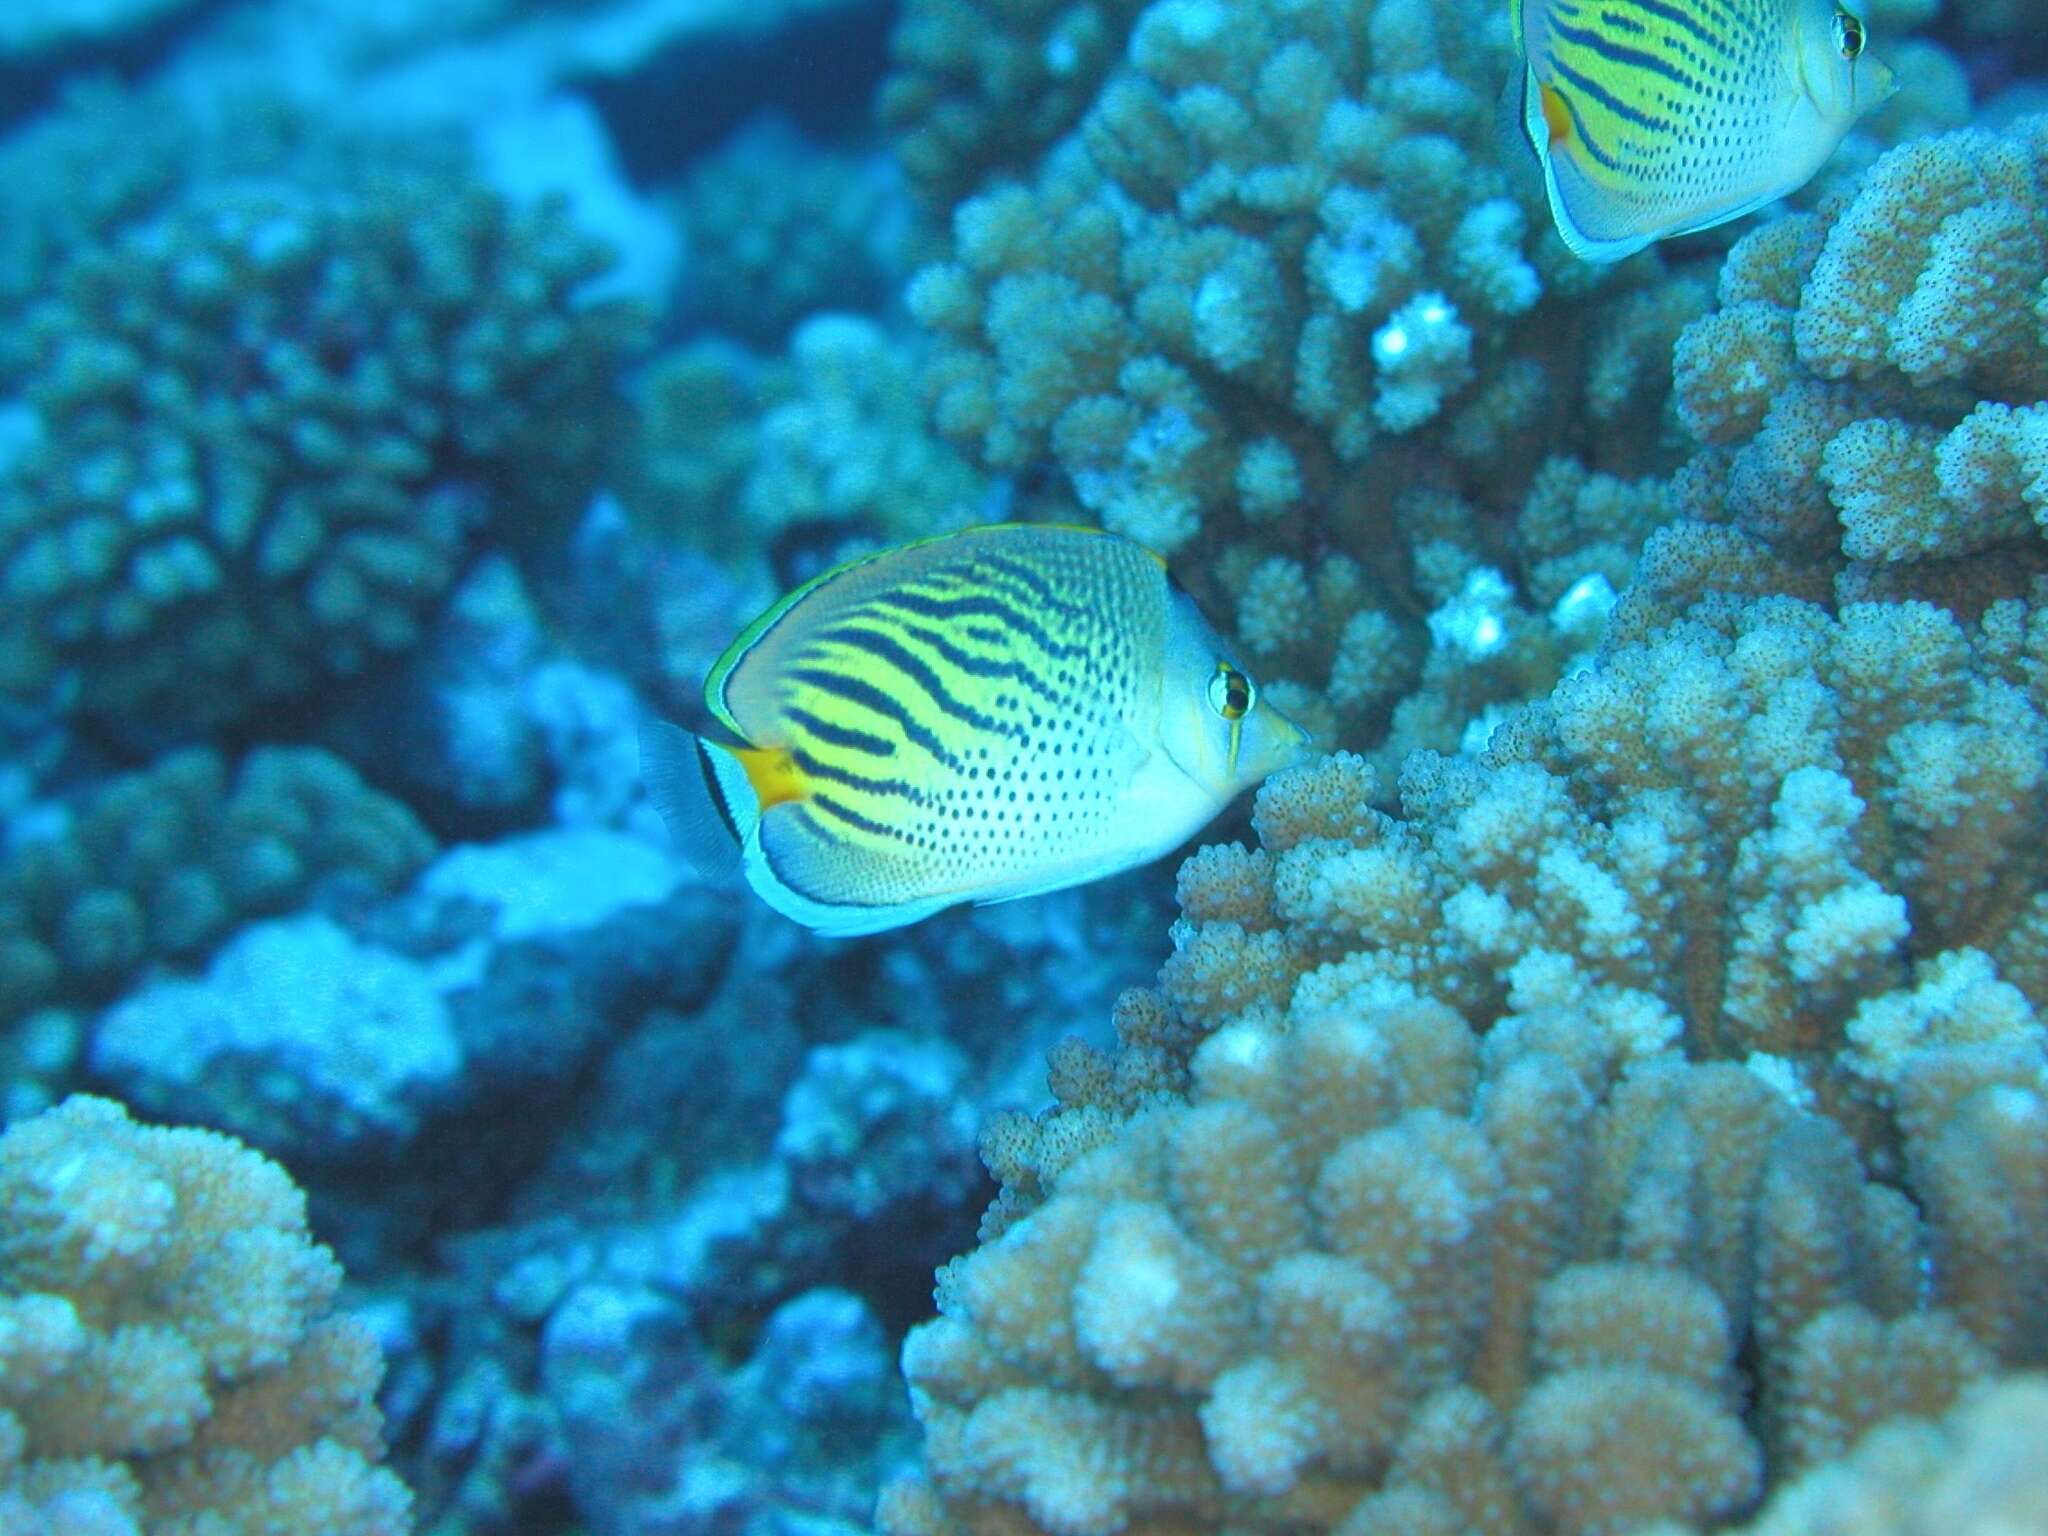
[[168, 1358], [1869, 392]]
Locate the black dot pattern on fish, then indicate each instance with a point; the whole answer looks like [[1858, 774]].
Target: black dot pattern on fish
[[1669, 102], [1003, 680]]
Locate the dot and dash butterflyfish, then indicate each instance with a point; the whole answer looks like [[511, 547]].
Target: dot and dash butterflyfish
[[1655, 118], [985, 715]]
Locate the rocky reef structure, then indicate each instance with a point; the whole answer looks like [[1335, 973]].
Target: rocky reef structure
[[169, 1357], [274, 423]]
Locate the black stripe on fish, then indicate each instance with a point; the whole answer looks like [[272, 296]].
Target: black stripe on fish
[[1623, 23], [850, 737], [967, 661], [854, 819], [1593, 145], [944, 609], [816, 768], [890, 651], [714, 788], [1035, 584], [1610, 101], [1676, 16], [856, 691], [1631, 58]]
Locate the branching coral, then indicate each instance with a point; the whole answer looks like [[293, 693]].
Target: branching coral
[[978, 90], [163, 864], [779, 229], [274, 423], [734, 450], [1977, 1472], [1565, 1156], [1869, 391], [1275, 301], [1374, 1274], [168, 1360]]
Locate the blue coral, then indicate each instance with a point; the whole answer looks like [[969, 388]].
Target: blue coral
[[276, 423]]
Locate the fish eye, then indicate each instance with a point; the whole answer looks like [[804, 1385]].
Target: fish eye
[[1230, 691], [1848, 35]]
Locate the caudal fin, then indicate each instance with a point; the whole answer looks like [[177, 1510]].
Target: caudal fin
[[683, 783]]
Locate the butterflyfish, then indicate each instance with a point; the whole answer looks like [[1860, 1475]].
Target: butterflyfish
[[980, 716], [1655, 118]]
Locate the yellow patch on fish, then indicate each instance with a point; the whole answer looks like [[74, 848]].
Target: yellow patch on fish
[[986, 715], [1655, 118]]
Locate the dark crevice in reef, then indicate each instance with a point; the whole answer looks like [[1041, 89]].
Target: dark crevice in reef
[[820, 70], [28, 87]]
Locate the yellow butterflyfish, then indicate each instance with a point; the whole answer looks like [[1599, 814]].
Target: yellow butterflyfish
[[989, 714], [1655, 118]]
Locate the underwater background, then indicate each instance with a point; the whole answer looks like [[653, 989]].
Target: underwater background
[[1604, 1091]]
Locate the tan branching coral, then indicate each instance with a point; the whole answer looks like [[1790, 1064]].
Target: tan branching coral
[[168, 1361], [1869, 392], [1276, 307], [1646, 1115], [1376, 1274], [1976, 1472]]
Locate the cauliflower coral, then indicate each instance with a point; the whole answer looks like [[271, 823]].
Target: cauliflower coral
[[169, 1363], [1276, 307], [272, 424], [1869, 394], [1652, 1109]]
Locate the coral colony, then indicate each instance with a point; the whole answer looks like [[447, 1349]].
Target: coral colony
[[1592, 1082]]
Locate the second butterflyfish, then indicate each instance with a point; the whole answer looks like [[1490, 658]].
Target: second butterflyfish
[[989, 714], [1655, 118]]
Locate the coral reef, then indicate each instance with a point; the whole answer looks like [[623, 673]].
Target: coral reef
[[164, 864], [169, 1360], [1975, 1472], [798, 1431], [979, 90], [1632, 1078], [493, 980], [697, 1361], [736, 452], [275, 422], [779, 228], [1276, 306], [1868, 392]]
